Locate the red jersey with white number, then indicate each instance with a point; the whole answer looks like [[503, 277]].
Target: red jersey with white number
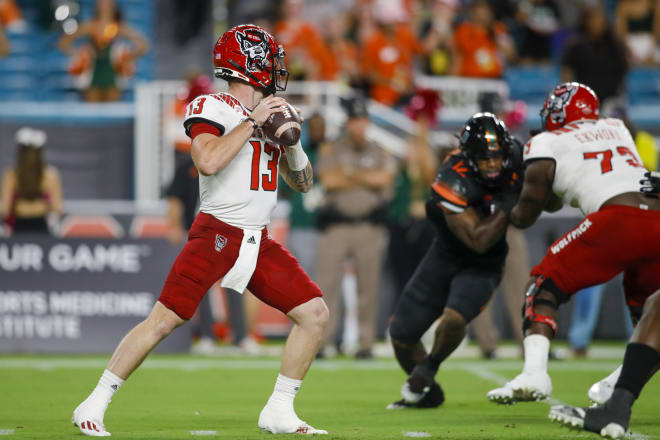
[[244, 193], [595, 161]]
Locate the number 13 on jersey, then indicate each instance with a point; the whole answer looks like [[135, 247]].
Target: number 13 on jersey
[[268, 179]]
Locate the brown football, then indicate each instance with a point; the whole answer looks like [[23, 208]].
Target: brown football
[[283, 127]]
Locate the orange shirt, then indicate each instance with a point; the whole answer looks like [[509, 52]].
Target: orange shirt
[[341, 53], [303, 38], [391, 61], [9, 12], [479, 54]]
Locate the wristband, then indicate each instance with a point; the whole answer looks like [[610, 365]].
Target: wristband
[[255, 126], [296, 157]]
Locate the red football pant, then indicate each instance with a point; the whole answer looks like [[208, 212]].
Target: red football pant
[[612, 240], [211, 250]]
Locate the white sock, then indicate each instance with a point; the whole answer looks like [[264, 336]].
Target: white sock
[[537, 348], [285, 391], [108, 385]]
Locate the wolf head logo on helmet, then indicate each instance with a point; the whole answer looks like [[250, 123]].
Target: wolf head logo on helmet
[[557, 105], [569, 102], [254, 46], [249, 53]]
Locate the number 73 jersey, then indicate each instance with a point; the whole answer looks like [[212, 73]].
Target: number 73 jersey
[[594, 161], [244, 193]]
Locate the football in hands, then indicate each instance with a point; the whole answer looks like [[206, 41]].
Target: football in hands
[[283, 127]]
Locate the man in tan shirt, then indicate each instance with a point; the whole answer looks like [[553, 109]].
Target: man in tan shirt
[[357, 176]]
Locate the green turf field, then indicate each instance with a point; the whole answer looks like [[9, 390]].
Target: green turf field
[[170, 396]]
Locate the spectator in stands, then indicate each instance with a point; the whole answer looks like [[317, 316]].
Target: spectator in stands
[[5, 47], [481, 45], [539, 20], [638, 24], [306, 51], [388, 54], [32, 190], [343, 62], [11, 17], [436, 36], [103, 31], [596, 56], [410, 232], [362, 22]]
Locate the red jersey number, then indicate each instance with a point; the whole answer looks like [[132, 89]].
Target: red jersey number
[[269, 178], [605, 157], [195, 107]]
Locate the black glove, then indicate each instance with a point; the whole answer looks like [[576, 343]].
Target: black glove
[[651, 184]]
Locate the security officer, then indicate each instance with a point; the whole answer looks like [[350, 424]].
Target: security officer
[[357, 176], [475, 189]]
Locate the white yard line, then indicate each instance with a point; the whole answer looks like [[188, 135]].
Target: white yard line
[[486, 374], [416, 434]]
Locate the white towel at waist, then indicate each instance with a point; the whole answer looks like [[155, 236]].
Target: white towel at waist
[[240, 273]]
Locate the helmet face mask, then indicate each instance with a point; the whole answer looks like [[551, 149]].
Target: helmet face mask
[[252, 55], [569, 102], [485, 136]]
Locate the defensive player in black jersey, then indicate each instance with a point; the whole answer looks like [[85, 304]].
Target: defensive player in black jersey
[[476, 187]]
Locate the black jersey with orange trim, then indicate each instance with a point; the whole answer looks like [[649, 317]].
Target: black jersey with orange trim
[[454, 190]]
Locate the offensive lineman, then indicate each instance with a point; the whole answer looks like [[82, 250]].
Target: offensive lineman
[[591, 164], [238, 190], [471, 197]]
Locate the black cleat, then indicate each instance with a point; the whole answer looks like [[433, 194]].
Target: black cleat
[[418, 384], [610, 420], [432, 399]]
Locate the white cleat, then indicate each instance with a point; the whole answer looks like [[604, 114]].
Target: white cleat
[[568, 416], [523, 388], [89, 421], [283, 421], [601, 391]]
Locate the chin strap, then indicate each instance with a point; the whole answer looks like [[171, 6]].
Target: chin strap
[[529, 315]]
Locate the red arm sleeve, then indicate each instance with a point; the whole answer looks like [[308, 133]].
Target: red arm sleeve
[[202, 127]]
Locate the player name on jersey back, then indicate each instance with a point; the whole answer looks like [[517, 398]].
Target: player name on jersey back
[[244, 193], [594, 161]]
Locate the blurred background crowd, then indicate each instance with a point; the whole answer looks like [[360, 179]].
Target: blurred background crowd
[[384, 85]]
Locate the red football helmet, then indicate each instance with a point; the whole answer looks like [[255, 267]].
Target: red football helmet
[[249, 53], [569, 102]]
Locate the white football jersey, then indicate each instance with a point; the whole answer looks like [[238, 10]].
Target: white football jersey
[[244, 193], [594, 161]]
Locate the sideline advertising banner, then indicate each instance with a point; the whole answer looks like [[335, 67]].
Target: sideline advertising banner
[[80, 295]]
